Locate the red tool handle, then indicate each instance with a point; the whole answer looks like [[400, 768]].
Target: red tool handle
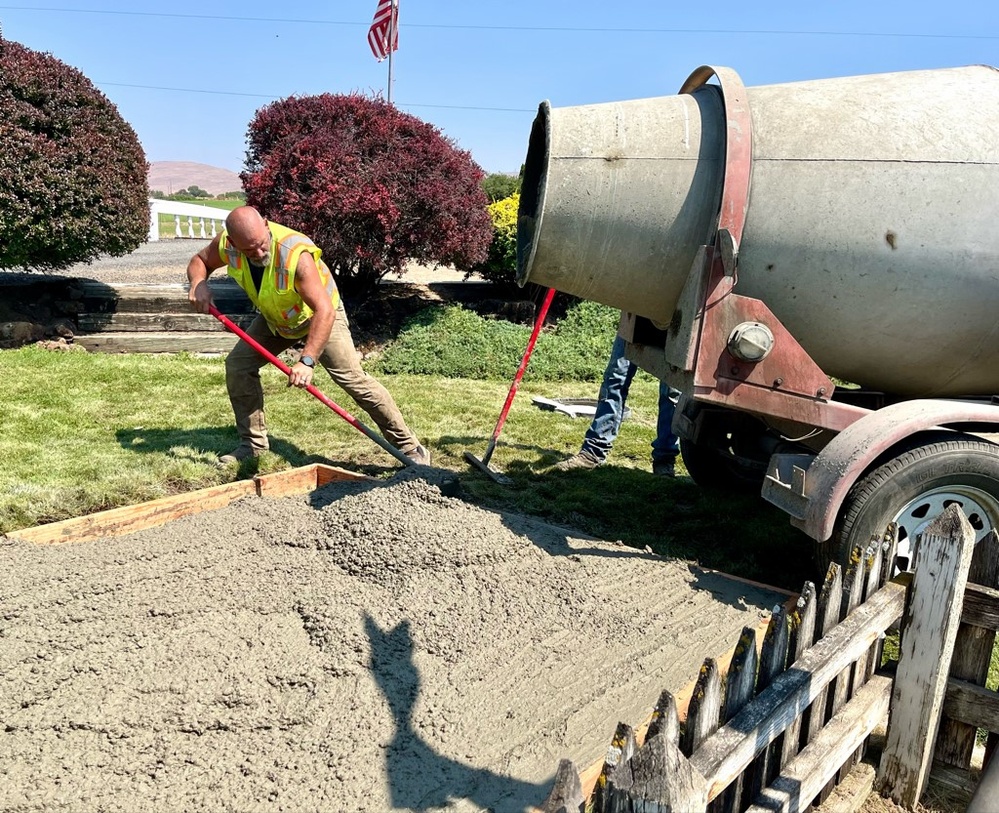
[[538, 324], [232, 327]]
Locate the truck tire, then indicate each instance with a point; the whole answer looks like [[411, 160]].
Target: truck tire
[[912, 489]]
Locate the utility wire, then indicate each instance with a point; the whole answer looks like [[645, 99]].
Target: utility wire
[[267, 96], [549, 29]]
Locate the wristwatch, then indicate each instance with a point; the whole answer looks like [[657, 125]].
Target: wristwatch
[[308, 361]]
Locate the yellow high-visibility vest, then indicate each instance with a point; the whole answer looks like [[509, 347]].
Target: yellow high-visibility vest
[[279, 303]]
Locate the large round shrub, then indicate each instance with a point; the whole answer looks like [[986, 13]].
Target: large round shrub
[[373, 186], [72, 172]]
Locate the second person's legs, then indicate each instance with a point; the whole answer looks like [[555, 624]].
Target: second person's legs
[[666, 446], [606, 423]]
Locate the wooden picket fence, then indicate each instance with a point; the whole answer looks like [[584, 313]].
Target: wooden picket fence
[[793, 714]]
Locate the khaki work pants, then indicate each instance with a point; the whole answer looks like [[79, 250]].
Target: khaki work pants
[[339, 358]]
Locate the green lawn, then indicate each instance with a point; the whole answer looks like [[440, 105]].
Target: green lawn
[[83, 432]]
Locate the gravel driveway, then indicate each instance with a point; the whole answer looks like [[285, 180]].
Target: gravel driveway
[[165, 262]]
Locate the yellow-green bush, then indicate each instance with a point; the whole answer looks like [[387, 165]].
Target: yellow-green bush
[[501, 264]]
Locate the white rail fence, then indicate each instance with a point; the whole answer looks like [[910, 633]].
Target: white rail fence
[[190, 219]]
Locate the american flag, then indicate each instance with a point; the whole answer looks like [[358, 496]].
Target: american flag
[[386, 20]]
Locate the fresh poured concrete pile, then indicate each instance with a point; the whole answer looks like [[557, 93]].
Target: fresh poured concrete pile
[[371, 646]]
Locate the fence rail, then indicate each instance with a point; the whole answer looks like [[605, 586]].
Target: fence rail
[[794, 712], [207, 221]]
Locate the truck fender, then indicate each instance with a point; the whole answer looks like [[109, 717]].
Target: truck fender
[[850, 454]]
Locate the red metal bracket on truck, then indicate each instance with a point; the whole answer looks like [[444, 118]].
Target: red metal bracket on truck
[[812, 489]]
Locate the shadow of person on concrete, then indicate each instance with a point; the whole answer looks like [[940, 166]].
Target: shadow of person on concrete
[[419, 778]]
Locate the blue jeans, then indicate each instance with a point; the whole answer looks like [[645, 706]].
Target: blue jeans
[[606, 422]]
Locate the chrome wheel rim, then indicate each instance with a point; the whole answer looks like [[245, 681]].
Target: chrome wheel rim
[[980, 507]]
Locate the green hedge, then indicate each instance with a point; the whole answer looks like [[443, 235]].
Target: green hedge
[[456, 343]]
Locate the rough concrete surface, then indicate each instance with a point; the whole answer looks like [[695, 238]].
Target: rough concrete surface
[[371, 646]]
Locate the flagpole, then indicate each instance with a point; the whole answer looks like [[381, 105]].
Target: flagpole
[[391, 39]]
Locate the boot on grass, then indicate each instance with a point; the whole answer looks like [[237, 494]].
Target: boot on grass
[[239, 454], [580, 460]]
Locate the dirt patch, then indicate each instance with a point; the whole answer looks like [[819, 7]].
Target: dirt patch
[[937, 798], [372, 646]]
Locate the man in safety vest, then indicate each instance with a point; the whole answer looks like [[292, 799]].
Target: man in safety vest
[[283, 273]]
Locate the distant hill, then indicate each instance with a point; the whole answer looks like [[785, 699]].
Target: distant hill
[[172, 176]]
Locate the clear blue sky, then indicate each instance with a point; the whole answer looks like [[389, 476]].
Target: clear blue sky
[[189, 77]]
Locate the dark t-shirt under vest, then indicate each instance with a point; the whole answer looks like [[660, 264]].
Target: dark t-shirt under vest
[[257, 272]]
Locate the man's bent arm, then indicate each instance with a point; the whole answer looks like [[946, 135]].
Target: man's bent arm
[[315, 295], [200, 266]]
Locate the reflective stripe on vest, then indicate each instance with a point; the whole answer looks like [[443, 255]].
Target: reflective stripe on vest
[[286, 312]]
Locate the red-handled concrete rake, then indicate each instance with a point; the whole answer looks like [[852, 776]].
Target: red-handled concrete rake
[[232, 327], [483, 463]]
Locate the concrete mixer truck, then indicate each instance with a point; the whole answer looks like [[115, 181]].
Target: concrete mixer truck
[[815, 265]]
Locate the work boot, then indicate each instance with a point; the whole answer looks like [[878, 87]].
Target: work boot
[[664, 468], [580, 460], [239, 454], [421, 457]]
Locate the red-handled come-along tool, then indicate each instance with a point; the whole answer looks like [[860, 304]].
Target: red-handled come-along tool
[[232, 327], [483, 464]]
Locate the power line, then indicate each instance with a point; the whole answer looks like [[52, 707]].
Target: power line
[[186, 90], [547, 29], [266, 96], [463, 107]]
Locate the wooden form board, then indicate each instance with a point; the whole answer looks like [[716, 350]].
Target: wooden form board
[[126, 520]]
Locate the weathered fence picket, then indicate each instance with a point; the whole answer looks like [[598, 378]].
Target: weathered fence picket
[[802, 624], [566, 795], [773, 661], [940, 573], [704, 709], [793, 715], [864, 668], [740, 685], [827, 617], [853, 594], [972, 654], [622, 749], [665, 719]]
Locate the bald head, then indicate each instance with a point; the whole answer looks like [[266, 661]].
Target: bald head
[[249, 234], [243, 222]]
